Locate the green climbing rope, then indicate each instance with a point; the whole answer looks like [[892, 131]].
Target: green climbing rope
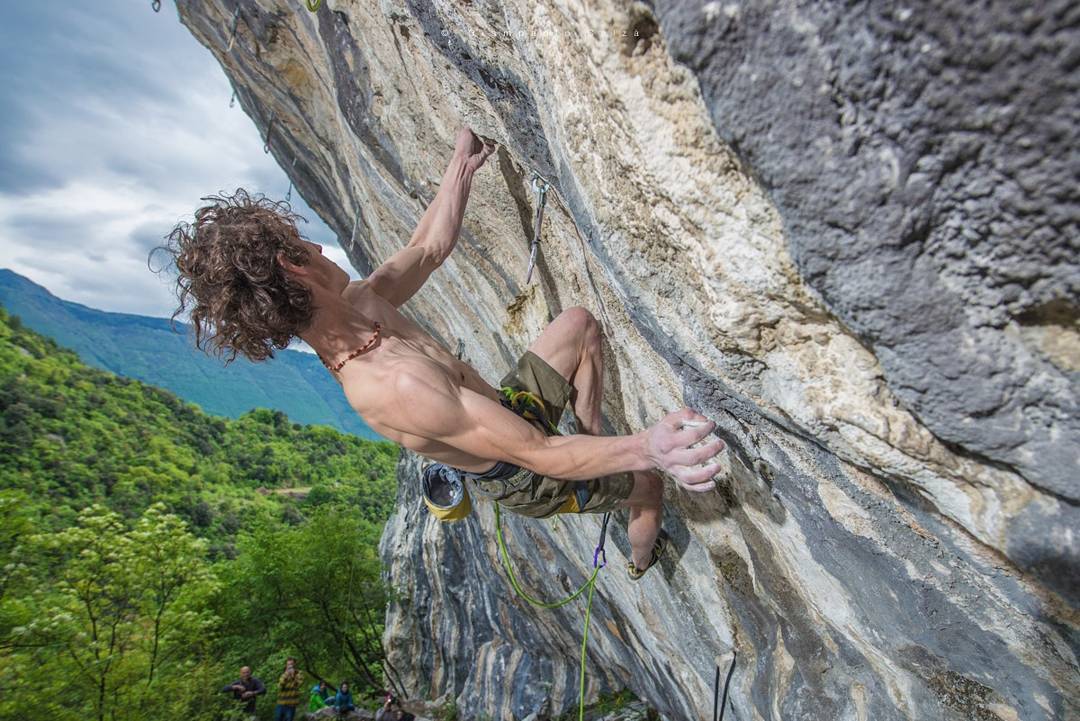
[[313, 5], [513, 579], [590, 584], [584, 641]]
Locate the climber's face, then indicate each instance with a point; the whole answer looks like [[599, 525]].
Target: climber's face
[[319, 270]]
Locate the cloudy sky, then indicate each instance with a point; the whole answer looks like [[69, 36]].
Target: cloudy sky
[[116, 121]]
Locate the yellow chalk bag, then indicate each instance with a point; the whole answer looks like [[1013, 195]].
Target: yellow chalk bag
[[444, 492]]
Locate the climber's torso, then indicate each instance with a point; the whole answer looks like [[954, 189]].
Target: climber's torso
[[402, 342]]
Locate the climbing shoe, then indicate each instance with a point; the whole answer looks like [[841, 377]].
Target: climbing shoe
[[657, 551]]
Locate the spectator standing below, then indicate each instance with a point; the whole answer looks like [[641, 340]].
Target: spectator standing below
[[343, 701], [320, 697], [288, 697], [391, 711], [246, 689]]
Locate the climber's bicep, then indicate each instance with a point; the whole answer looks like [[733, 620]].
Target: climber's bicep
[[468, 421], [403, 273]]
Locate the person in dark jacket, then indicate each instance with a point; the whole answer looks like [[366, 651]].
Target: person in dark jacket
[[246, 690], [391, 711], [343, 701]]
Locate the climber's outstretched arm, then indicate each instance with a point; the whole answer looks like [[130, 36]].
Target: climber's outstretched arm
[[406, 271], [481, 427]]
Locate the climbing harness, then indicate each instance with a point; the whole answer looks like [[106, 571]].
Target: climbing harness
[[716, 689], [541, 187], [599, 561], [232, 30], [443, 487], [529, 406]]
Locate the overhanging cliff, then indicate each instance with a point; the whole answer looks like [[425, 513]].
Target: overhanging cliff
[[847, 234]]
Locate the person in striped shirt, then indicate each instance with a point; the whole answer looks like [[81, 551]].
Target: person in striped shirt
[[288, 697]]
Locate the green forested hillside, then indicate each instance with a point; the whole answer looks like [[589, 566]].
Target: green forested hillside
[[148, 349], [147, 549]]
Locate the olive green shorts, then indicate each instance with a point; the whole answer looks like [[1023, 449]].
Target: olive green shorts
[[526, 493]]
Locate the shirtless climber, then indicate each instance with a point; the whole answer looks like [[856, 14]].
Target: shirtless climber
[[254, 283]]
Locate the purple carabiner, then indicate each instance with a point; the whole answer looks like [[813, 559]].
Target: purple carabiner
[[599, 553]]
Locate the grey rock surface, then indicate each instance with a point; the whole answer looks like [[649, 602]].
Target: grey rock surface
[[924, 157], [832, 277]]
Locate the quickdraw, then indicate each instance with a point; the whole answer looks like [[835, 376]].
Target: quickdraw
[[541, 187]]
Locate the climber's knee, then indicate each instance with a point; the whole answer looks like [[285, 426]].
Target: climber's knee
[[585, 326], [581, 320], [571, 338]]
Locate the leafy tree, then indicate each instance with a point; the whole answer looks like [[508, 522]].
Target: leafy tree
[[125, 602], [316, 592], [173, 573]]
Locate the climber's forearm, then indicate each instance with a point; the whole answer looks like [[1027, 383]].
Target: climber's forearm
[[438, 230], [584, 457]]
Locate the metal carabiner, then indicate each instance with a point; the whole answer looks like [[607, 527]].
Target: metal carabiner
[[541, 187]]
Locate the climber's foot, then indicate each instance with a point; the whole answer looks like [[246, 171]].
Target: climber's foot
[[658, 550]]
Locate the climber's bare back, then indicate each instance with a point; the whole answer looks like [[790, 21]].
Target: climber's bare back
[[371, 381]]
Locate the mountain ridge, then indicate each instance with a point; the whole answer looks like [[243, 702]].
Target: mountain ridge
[[138, 346]]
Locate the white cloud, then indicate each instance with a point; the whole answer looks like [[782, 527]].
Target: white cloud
[[126, 129]]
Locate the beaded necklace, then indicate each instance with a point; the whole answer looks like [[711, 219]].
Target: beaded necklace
[[355, 353]]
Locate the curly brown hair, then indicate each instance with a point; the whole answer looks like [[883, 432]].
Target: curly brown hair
[[241, 299]]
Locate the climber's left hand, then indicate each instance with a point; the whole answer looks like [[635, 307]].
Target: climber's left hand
[[472, 148]]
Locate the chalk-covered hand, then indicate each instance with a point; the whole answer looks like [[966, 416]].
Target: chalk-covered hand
[[667, 446]]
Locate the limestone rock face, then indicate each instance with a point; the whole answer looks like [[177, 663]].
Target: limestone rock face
[[848, 235]]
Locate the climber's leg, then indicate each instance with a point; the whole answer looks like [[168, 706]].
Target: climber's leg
[[572, 346], [646, 503]]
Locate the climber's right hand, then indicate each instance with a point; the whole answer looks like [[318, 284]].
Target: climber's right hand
[[667, 446], [471, 148]]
